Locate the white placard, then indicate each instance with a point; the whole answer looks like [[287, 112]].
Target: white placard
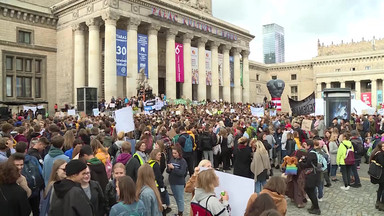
[[178, 112], [272, 112], [112, 105], [380, 111], [71, 112], [259, 112], [124, 120], [33, 108], [96, 112], [232, 110], [239, 190]]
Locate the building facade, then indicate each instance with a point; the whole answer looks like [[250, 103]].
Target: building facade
[[52, 47], [355, 65], [273, 44]]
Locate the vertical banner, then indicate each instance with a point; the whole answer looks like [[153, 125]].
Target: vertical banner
[[241, 72], [142, 53], [366, 98], [195, 65], [220, 65], [208, 67], [379, 97], [121, 52], [179, 57], [232, 70]]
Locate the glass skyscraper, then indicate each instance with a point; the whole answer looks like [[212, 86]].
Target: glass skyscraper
[[273, 44]]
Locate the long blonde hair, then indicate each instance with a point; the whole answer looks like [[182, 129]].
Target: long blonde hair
[[69, 138], [260, 147], [146, 176]]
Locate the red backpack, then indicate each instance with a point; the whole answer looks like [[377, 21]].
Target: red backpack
[[199, 210], [349, 156]]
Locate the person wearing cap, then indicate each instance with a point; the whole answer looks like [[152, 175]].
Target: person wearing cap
[[68, 198]]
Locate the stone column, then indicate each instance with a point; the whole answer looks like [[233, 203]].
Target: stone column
[[246, 77], [357, 90], [132, 66], [226, 74], [170, 64], [110, 76], [79, 59], [153, 64], [237, 73], [318, 90], [187, 85], [342, 84], [374, 93], [215, 89], [94, 72], [202, 88]]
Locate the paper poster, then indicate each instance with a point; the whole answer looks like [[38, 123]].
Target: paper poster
[[272, 112], [179, 59], [220, 65], [112, 105], [366, 98], [195, 65], [380, 111], [96, 112], [306, 125], [259, 112], [232, 70], [71, 112], [142, 54], [208, 67], [121, 52], [124, 120]]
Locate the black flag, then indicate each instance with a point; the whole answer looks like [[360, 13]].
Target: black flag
[[303, 107]]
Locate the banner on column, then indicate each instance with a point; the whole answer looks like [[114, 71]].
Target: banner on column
[[179, 55], [379, 97], [220, 65], [241, 72], [208, 67], [366, 98], [232, 70], [142, 54], [121, 52], [195, 65]]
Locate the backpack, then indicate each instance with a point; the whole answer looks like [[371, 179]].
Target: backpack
[[32, 173], [188, 144], [206, 144], [321, 161], [349, 156], [108, 168], [359, 148], [199, 210]]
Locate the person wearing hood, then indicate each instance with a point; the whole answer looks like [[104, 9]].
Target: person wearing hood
[[138, 159], [68, 198], [116, 147], [346, 170], [54, 153], [97, 168], [242, 159], [21, 135], [260, 166], [205, 195], [125, 153]]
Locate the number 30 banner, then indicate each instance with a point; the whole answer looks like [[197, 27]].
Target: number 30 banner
[[121, 52]]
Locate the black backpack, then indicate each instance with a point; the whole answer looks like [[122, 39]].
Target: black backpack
[[32, 172]]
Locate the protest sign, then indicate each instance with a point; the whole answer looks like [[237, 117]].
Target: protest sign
[[303, 107], [71, 112], [272, 112], [96, 112], [124, 120], [259, 112], [380, 111], [306, 125]]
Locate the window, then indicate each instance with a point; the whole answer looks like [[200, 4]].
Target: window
[[274, 77], [38, 87], [337, 70], [367, 67], [37, 66], [257, 77], [293, 89], [9, 63], [23, 87], [28, 65], [25, 37], [9, 86], [294, 98], [293, 77], [352, 69], [19, 64]]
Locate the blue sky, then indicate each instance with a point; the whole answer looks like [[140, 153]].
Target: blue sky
[[305, 21]]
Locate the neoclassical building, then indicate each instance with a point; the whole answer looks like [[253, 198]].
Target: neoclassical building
[[355, 65], [50, 48]]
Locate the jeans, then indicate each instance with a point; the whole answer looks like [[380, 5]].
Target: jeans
[[320, 190], [355, 173], [208, 155], [346, 173], [178, 193], [283, 154], [333, 170], [312, 196], [259, 186]]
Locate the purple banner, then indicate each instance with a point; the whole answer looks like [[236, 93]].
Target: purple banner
[[179, 55]]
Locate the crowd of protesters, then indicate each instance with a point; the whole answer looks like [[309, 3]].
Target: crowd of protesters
[[83, 166]]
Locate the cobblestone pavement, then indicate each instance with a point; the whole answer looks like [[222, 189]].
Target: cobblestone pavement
[[336, 202]]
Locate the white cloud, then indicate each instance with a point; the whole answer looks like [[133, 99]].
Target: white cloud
[[304, 21]]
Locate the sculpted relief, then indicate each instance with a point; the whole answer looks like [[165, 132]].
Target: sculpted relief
[[204, 5]]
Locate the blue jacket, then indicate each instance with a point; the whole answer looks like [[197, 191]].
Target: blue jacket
[[177, 175], [120, 209], [147, 195], [48, 163]]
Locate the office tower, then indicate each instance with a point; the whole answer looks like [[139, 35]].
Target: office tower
[[273, 44]]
